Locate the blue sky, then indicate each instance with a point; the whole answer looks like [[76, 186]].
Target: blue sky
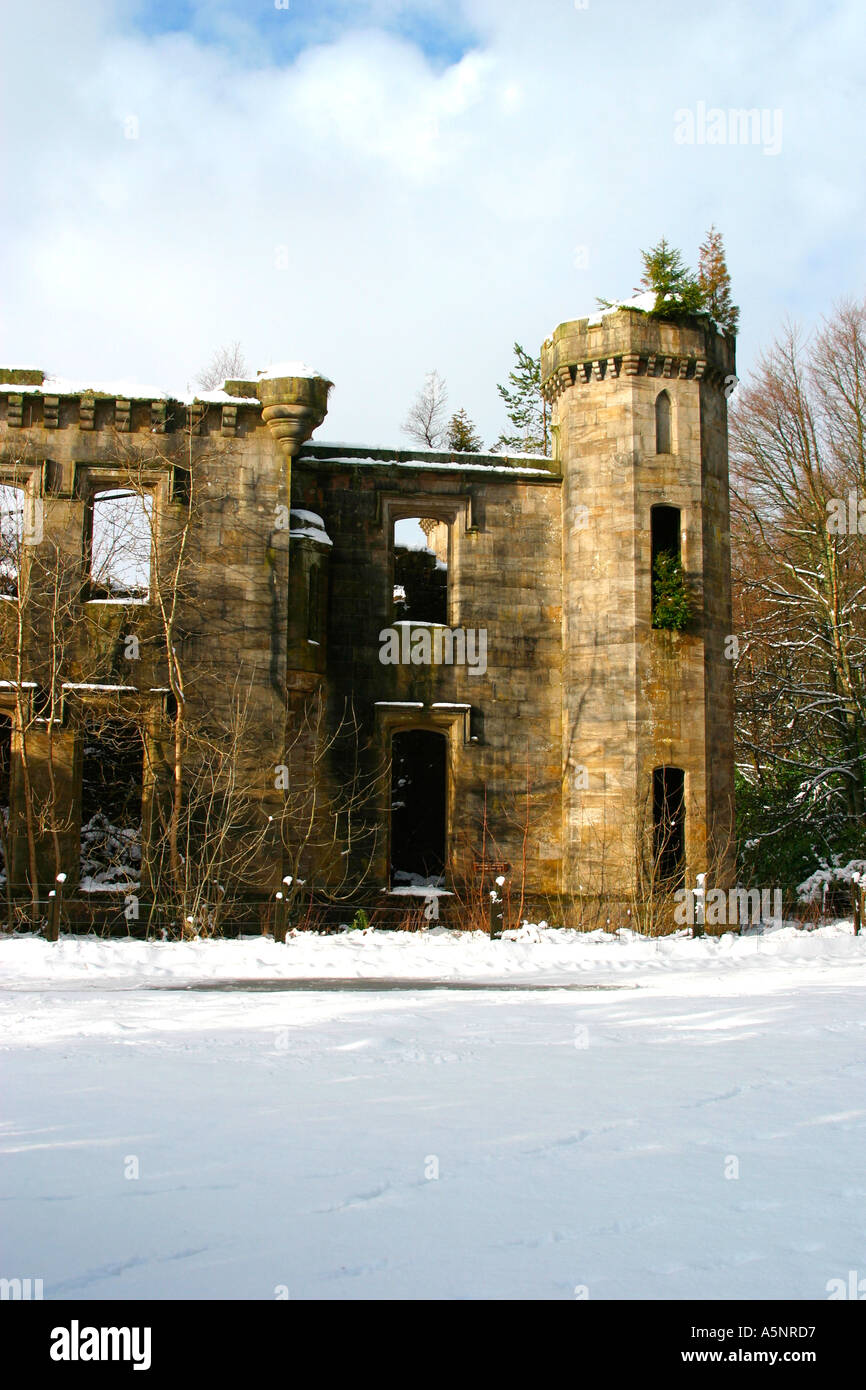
[[281, 29], [382, 188]]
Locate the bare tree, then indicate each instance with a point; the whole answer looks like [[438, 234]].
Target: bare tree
[[222, 826], [425, 422], [798, 524], [171, 746], [227, 364], [329, 823], [45, 651]]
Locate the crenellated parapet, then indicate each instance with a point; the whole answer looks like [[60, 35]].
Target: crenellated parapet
[[631, 343], [54, 404], [292, 402]]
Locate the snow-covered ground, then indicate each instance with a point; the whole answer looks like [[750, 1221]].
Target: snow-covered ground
[[595, 1116]]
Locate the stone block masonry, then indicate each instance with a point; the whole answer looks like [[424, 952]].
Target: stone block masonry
[[279, 557]]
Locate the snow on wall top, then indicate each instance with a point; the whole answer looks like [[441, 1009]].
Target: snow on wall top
[[223, 398], [119, 390], [69, 386], [644, 301], [439, 467], [419, 455], [308, 525], [280, 369]]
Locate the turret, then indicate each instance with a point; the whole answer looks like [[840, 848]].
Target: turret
[[640, 424]]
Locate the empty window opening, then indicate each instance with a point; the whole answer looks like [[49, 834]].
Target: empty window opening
[[421, 570], [5, 788], [669, 826], [120, 545], [111, 791], [665, 529], [663, 423], [12, 504], [418, 792]]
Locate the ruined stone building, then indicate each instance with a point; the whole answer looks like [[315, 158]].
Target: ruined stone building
[[498, 703]]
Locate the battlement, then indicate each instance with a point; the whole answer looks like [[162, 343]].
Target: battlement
[[291, 400], [631, 342]]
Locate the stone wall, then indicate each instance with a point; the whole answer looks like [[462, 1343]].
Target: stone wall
[[553, 725]]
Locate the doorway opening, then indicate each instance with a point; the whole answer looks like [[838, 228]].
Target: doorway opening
[[112, 776], [669, 826], [5, 793], [418, 808]]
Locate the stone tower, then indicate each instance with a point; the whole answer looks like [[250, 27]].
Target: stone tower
[[640, 423]]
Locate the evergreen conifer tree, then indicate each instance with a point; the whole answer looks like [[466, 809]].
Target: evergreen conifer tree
[[677, 291], [463, 437], [715, 283], [671, 605], [525, 407]]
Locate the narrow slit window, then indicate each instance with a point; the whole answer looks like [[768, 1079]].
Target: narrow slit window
[[663, 423], [120, 546]]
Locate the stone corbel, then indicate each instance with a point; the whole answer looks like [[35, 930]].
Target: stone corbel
[[293, 408]]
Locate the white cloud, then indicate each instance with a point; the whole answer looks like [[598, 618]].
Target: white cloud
[[380, 213]]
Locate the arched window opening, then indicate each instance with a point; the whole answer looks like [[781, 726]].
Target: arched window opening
[[663, 423], [421, 570], [669, 826], [120, 546], [418, 808]]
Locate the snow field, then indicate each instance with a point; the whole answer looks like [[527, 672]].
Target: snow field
[[697, 1132]]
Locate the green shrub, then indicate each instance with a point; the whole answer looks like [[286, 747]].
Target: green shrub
[[671, 604]]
